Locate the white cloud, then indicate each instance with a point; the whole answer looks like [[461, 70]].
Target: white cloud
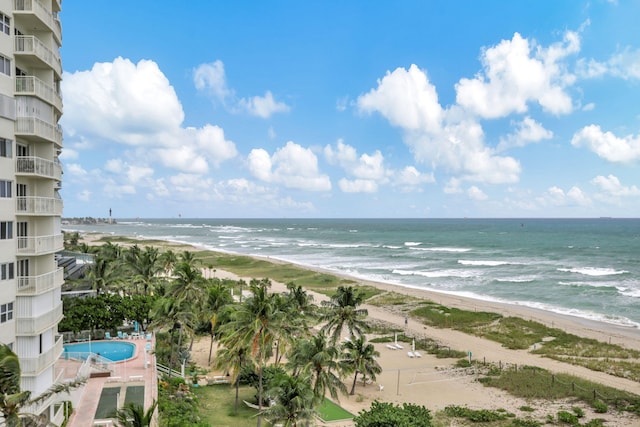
[[624, 64], [121, 101], [211, 141], [358, 185], [453, 186], [448, 139], [75, 169], [370, 171], [84, 195], [516, 72], [589, 107], [184, 158], [527, 131], [292, 166], [610, 185], [476, 194], [573, 197], [68, 154], [607, 145], [411, 177], [406, 98], [263, 106], [211, 78]]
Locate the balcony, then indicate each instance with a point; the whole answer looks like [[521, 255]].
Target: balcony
[[35, 365], [33, 14], [33, 86], [35, 325], [38, 129], [40, 206], [41, 245], [37, 166], [32, 50], [35, 285]]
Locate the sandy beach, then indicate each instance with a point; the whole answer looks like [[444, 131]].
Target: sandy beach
[[433, 383]]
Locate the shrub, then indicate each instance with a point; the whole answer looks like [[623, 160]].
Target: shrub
[[599, 406], [578, 412], [567, 418]]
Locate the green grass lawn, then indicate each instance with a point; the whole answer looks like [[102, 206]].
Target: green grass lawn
[[330, 411], [217, 402]]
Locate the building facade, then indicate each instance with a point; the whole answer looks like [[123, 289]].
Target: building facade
[[30, 179]]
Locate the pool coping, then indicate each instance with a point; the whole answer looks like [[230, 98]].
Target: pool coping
[[134, 372]]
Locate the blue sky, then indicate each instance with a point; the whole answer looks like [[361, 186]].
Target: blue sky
[[351, 109]]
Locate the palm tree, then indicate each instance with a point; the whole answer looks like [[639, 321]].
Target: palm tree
[[218, 297], [318, 357], [169, 313], [13, 400], [300, 301], [342, 311], [360, 357], [144, 265], [256, 324], [103, 273], [168, 260], [133, 415], [231, 359], [293, 401]]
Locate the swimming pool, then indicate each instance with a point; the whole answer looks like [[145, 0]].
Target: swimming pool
[[112, 350]]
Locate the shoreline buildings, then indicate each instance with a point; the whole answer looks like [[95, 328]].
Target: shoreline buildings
[[30, 179]]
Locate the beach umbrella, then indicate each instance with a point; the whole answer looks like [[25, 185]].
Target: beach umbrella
[[413, 345], [395, 335]]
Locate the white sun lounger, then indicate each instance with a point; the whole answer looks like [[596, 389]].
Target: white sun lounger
[[398, 346], [410, 354], [391, 347], [416, 354]]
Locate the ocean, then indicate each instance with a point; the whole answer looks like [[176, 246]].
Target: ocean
[[587, 268]]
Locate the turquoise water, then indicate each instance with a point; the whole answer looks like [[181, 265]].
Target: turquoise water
[[112, 350], [582, 267]]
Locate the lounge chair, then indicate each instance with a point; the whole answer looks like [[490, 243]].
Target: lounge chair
[[416, 354], [391, 347], [125, 335], [120, 335], [398, 346], [410, 354], [149, 336], [107, 335]]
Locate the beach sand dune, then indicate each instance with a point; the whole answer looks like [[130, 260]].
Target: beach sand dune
[[435, 384]]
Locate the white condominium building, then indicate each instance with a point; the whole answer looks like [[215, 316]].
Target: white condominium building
[[30, 177]]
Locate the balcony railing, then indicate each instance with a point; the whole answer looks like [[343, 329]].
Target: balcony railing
[[32, 165], [31, 126], [35, 325], [34, 285], [32, 46], [31, 85], [40, 245], [38, 206], [35, 7], [35, 365]]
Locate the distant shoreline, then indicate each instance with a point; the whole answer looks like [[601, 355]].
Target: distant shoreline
[[625, 336]]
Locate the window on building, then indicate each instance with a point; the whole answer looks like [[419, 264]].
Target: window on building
[[6, 312], [5, 24], [6, 230], [5, 188], [6, 271], [5, 65], [6, 148]]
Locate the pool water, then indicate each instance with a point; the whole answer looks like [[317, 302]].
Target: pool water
[[112, 350]]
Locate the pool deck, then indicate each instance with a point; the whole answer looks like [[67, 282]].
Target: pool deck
[[131, 371]]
